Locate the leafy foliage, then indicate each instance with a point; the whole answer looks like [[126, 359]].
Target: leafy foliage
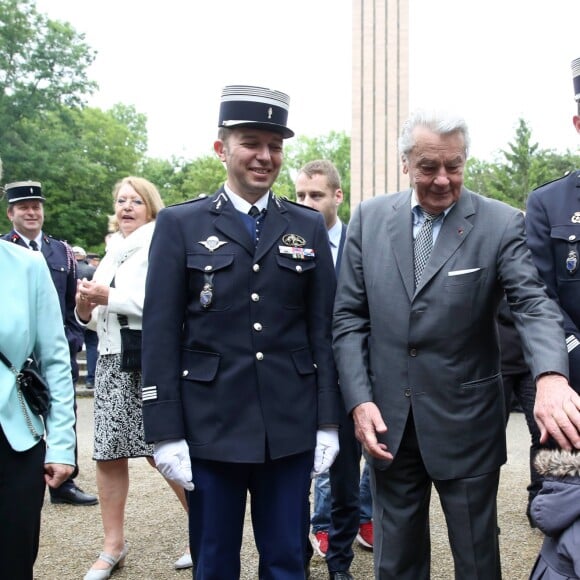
[[519, 169]]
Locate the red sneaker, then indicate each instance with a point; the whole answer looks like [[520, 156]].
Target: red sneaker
[[365, 535], [319, 542]]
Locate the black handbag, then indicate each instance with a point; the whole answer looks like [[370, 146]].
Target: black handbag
[[31, 384], [130, 346]]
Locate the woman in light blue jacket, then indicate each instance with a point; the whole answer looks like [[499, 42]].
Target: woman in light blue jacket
[[33, 452]]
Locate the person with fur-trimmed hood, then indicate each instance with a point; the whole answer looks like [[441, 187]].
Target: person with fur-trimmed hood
[[556, 512]]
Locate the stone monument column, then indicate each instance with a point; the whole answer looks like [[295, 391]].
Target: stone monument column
[[380, 96]]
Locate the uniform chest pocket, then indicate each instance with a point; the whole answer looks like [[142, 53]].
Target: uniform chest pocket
[[210, 278], [295, 266], [208, 263], [567, 251]]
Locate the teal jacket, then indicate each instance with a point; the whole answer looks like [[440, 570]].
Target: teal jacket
[[32, 322]]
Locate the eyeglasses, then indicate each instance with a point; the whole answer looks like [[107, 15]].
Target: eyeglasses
[[131, 202]]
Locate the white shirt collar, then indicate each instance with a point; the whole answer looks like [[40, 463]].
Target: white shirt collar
[[242, 205], [37, 239]]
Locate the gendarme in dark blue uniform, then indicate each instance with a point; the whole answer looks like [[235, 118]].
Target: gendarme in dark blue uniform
[[237, 360], [553, 234]]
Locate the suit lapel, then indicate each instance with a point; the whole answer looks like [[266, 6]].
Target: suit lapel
[[340, 249], [454, 232], [400, 230], [229, 223]]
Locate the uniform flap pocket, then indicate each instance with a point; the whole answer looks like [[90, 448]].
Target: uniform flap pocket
[[303, 361], [209, 262], [299, 266], [200, 366], [568, 233]]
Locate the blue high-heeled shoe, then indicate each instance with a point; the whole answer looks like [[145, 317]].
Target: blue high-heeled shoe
[[114, 563]]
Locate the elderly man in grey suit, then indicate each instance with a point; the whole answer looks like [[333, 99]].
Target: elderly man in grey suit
[[416, 346]]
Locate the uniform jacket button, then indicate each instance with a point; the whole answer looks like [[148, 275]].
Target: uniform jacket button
[[257, 326], [256, 267], [255, 297], [260, 356]]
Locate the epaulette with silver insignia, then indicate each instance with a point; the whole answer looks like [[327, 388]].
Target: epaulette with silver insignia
[[192, 200], [288, 200], [567, 174]]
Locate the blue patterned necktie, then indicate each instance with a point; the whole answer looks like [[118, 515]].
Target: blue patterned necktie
[[423, 244]]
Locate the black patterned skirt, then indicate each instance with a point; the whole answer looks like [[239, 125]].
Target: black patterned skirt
[[118, 412]]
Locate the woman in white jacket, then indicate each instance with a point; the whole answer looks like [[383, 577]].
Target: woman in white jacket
[[112, 299]]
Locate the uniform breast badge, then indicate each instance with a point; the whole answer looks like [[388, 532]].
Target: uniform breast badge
[[206, 294], [294, 248], [572, 262]]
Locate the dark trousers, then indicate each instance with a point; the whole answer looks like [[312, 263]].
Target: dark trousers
[[401, 499], [523, 388], [21, 496], [278, 490], [345, 499]]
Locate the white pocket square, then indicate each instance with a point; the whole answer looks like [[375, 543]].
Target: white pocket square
[[462, 272]]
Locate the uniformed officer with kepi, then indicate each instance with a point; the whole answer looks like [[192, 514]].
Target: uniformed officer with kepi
[[553, 233], [240, 391]]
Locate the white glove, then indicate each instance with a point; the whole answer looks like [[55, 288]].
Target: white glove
[[326, 449], [173, 462]]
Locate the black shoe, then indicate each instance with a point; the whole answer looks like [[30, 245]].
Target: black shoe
[[73, 495], [341, 576]]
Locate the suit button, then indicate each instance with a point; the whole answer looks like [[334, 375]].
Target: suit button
[[407, 392], [260, 356], [185, 373], [256, 267], [255, 297], [299, 269], [413, 352], [208, 268], [257, 326], [571, 237]]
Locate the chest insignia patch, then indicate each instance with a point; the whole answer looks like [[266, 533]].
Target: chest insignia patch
[[212, 243], [294, 240]]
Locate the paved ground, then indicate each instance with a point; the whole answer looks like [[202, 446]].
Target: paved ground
[[156, 525]]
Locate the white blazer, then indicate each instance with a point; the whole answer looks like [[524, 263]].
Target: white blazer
[[126, 261]]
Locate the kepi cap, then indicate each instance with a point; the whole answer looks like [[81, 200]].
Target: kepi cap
[[576, 78], [23, 191], [258, 107]]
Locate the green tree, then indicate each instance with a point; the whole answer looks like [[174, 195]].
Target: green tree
[[518, 169], [43, 67], [78, 155]]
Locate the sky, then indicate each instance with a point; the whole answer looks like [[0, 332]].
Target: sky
[[492, 64]]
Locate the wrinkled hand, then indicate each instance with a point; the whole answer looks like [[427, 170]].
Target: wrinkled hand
[[367, 423], [173, 462], [557, 411], [55, 474], [326, 449]]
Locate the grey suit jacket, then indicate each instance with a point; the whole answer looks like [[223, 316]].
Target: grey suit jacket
[[435, 348]]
